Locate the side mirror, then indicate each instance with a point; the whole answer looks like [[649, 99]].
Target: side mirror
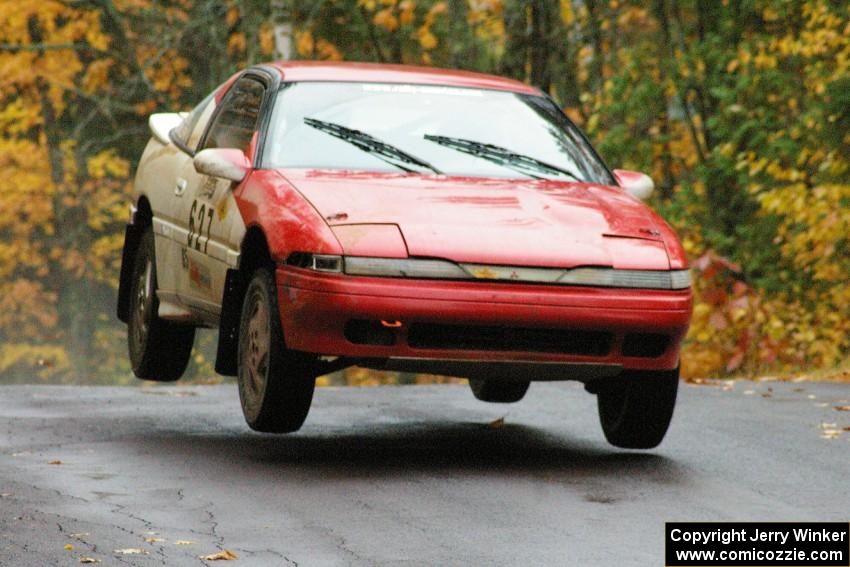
[[226, 163], [638, 184], [162, 123]]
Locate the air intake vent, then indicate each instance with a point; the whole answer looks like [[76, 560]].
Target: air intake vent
[[645, 345], [508, 339], [362, 332]]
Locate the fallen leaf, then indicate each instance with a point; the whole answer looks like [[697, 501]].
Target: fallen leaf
[[830, 433], [223, 555], [56, 462], [89, 560], [846, 428], [130, 551], [799, 389], [842, 408], [154, 539], [185, 542], [497, 423], [69, 546], [5, 495]]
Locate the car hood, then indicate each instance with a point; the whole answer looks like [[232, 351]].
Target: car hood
[[492, 221]]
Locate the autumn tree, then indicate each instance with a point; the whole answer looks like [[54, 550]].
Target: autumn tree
[[738, 110]]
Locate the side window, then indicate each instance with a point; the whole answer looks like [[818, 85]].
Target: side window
[[236, 121], [183, 132]]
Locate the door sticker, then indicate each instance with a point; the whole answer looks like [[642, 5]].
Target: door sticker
[[198, 215], [199, 275]]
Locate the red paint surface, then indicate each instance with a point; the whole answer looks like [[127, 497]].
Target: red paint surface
[[379, 240], [495, 221], [315, 307], [290, 223], [377, 73], [489, 221]]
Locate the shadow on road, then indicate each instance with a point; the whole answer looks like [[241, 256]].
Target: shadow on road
[[383, 450]]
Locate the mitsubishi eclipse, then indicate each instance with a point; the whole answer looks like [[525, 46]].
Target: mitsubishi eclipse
[[324, 215]]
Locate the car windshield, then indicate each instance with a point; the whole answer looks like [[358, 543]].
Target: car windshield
[[427, 129]]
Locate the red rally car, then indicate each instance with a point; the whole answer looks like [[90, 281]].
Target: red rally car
[[323, 215]]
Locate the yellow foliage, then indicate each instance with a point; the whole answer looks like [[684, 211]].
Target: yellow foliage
[[327, 50], [232, 16], [304, 43], [236, 43], [407, 12], [386, 19], [107, 163], [96, 75], [486, 18], [426, 39], [567, 14], [266, 40]]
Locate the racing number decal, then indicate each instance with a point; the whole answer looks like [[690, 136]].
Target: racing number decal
[[201, 214]]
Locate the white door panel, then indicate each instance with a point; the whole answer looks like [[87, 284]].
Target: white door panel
[[210, 215], [155, 179]]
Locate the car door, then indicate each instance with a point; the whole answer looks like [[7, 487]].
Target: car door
[[214, 226], [166, 196]]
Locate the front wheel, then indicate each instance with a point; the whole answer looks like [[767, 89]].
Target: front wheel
[[636, 410], [275, 383]]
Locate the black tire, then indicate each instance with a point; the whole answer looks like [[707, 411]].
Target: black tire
[[159, 349], [498, 391], [636, 410], [275, 384]]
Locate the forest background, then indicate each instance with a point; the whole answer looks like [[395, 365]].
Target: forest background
[[739, 110]]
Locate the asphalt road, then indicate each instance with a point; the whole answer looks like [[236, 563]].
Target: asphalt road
[[410, 475]]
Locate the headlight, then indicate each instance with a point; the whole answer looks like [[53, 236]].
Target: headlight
[[680, 279], [420, 268], [403, 268], [317, 262]]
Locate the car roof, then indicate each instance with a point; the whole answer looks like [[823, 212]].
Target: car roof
[[385, 73]]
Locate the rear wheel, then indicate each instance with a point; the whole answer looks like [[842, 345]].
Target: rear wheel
[[635, 412], [159, 349], [275, 384], [498, 391]]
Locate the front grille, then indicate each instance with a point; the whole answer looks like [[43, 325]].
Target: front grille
[[508, 339]]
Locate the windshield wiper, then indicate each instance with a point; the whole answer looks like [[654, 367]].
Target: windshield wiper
[[371, 144], [502, 156]]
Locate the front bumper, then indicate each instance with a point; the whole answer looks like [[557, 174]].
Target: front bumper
[[316, 307]]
